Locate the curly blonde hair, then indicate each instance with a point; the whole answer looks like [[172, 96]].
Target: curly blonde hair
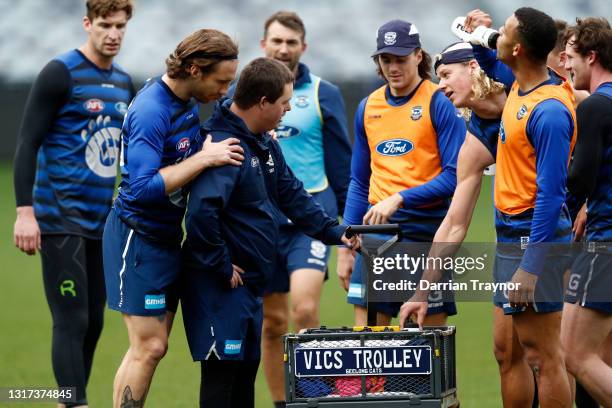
[[482, 87]]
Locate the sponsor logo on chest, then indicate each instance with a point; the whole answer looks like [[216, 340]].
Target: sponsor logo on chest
[[94, 105], [394, 147], [183, 145]]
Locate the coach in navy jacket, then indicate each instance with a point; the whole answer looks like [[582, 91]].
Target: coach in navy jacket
[[232, 222], [234, 213]]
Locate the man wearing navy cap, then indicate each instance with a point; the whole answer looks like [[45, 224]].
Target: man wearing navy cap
[[407, 137]]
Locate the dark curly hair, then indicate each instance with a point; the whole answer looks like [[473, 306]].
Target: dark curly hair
[[537, 32], [592, 34]]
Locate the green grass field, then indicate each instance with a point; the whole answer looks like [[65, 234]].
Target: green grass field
[[25, 328]]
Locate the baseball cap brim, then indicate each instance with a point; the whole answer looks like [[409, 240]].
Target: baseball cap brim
[[398, 51]]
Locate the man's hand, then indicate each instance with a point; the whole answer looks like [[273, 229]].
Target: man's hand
[[476, 18], [26, 233], [352, 243], [381, 212], [344, 266], [413, 307], [236, 278], [227, 151], [525, 284], [580, 224]]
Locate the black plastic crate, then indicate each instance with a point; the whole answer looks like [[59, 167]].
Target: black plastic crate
[[371, 365]]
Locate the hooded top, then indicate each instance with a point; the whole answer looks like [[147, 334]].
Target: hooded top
[[234, 212]]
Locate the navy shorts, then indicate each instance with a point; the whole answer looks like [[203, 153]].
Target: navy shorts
[[549, 287], [590, 281], [437, 302], [220, 322], [297, 250], [140, 276]]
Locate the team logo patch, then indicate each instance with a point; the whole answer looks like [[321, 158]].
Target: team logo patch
[[155, 302], [284, 131], [183, 145], [318, 249], [521, 112], [394, 147], [94, 105], [502, 132], [417, 112], [102, 146], [232, 346], [301, 101], [390, 38], [270, 163], [121, 107], [524, 242], [254, 161]]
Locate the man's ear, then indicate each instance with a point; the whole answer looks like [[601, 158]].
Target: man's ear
[[262, 102], [419, 56], [517, 49], [562, 58], [194, 71], [473, 65], [86, 24], [591, 57]]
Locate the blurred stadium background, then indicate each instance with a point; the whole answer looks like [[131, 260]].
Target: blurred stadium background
[[341, 37]]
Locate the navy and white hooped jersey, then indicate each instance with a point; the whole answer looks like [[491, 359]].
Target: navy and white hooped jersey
[[159, 130], [77, 161]]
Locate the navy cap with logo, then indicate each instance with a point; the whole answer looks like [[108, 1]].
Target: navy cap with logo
[[397, 37]]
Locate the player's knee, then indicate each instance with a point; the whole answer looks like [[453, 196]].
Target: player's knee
[[501, 353], [152, 349], [275, 324], [573, 363], [306, 313], [75, 323]]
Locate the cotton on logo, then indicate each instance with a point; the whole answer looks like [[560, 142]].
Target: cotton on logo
[[94, 105]]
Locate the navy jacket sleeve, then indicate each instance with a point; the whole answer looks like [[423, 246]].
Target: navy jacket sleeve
[[494, 68], [550, 128], [450, 129], [336, 143], [301, 207], [148, 126], [49, 93], [210, 193], [359, 186]]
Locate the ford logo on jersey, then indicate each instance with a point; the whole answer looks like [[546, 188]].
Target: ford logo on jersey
[[286, 131], [394, 147]]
